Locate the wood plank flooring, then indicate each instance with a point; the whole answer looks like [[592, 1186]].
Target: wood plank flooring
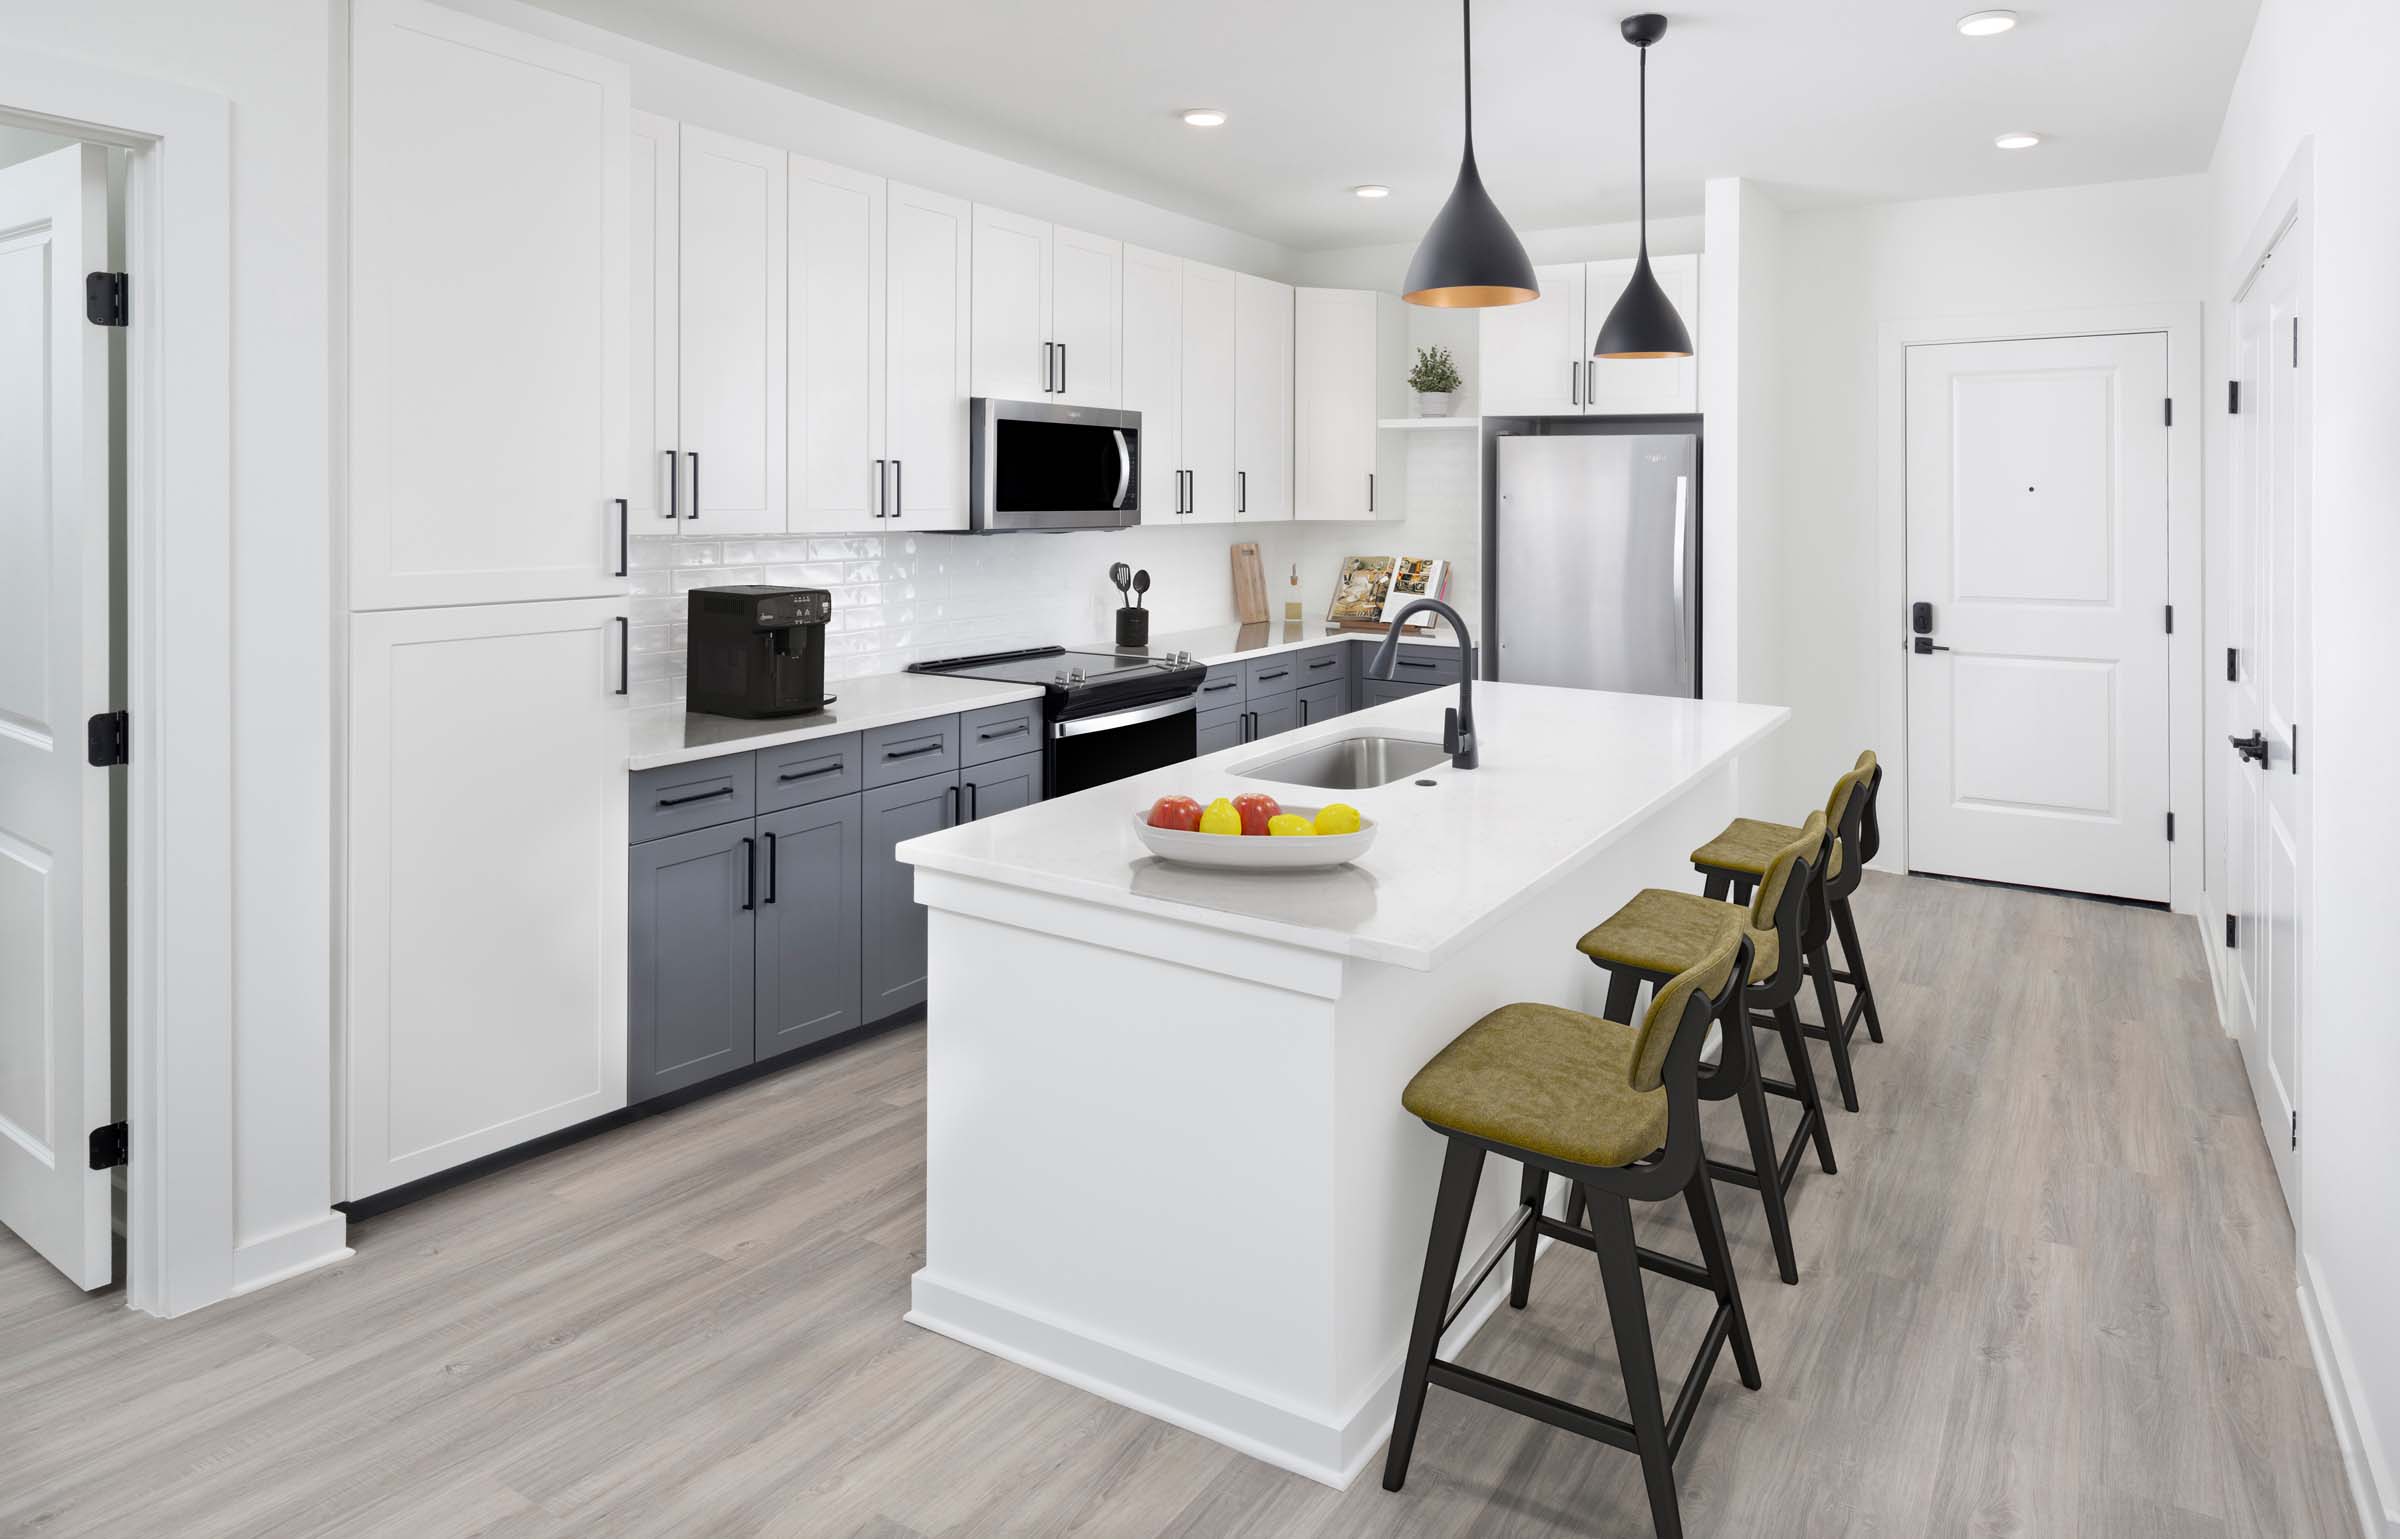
[[2049, 1294]]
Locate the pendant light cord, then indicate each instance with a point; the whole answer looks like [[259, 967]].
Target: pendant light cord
[[1466, 28], [1644, 138]]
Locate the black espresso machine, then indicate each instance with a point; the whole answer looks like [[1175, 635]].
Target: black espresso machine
[[756, 651]]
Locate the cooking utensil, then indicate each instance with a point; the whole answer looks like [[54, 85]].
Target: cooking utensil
[[1122, 575], [1141, 585]]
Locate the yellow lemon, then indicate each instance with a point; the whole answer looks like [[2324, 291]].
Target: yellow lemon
[[1220, 818], [1339, 818], [1290, 823]]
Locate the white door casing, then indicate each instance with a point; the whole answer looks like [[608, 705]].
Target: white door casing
[[653, 467], [2267, 800], [1262, 400], [2037, 529], [837, 346], [1152, 375], [733, 350], [488, 197], [55, 1061], [928, 284], [1208, 384], [1086, 314]]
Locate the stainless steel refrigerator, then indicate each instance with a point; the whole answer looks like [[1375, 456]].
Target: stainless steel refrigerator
[[1596, 561]]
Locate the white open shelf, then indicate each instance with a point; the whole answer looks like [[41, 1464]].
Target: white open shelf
[[1430, 422]]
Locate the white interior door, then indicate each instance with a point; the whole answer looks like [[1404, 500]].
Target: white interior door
[[1012, 307], [2037, 531], [2267, 797], [837, 303], [1208, 306], [1262, 399], [653, 473], [1086, 315], [734, 347], [927, 284], [1532, 354], [488, 198], [1153, 376], [54, 675]]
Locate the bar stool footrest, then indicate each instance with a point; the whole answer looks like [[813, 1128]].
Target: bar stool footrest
[[1569, 1417]]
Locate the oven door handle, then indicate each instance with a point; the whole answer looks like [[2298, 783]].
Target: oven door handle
[[1157, 710]]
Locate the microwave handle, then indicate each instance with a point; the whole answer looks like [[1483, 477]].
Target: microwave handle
[[1124, 467]]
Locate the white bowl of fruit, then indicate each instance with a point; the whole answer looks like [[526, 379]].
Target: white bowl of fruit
[[1253, 832]]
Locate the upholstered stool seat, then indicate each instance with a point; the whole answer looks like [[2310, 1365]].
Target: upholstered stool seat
[[1660, 930], [1747, 845], [1550, 1081]]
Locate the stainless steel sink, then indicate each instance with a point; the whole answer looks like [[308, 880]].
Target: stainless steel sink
[[1349, 763]]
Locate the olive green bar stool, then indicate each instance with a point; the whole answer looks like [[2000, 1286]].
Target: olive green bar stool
[[1733, 861], [1659, 933], [1613, 1108]]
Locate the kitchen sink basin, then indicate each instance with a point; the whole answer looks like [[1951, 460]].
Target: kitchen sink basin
[[1349, 763]]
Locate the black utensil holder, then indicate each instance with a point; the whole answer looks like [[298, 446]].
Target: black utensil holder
[[1133, 627]]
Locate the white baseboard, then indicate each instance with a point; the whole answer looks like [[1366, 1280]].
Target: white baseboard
[[304, 1247], [2371, 1488]]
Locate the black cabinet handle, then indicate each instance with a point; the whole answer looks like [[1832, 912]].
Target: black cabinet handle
[[1062, 368], [899, 490], [1018, 730], [695, 454], [674, 487], [624, 538], [953, 808], [834, 768], [1049, 367], [914, 753], [1405, 663], [696, 796], [1212, 688], [1281, 673], [1325, 662], [879, 488], [749, 873], [770, 838], [972, 812], [1241, 491], [624, 656], [1574, 382], [1304, 710], [1370, 491]]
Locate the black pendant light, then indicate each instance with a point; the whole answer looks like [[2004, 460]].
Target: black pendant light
[[1643, 324], [1470, 258]]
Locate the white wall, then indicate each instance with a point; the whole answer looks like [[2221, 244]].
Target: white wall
[[271, 60], [1848, 271], [2318, 70]]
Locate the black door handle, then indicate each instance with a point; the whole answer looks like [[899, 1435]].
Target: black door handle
[[1049, 366], [695, 454], [624, 656], [879, 485], [624, 538], [770, 838], [899, 490], [749, 873], [1241, 498], [674, 487], [1926, 646], [973, 807], [2253, 747], [953, 823], [1062, 368]]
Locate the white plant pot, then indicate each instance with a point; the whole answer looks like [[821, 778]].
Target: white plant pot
[[1433, 403]]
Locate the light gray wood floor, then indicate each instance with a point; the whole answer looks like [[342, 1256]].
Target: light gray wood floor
[[2049, 1294]]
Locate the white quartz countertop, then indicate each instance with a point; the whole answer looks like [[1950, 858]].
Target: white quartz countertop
[[1564, 774], [675, 736]]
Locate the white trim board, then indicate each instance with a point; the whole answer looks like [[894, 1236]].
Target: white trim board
[[2186, 449], [2371, 1488]]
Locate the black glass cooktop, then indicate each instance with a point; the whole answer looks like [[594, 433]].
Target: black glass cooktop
[[1077, 682]]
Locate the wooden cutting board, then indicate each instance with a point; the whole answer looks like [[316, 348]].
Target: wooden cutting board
[[1249, 584]]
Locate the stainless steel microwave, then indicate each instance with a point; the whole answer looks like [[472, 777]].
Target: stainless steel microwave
[[1046, 465]]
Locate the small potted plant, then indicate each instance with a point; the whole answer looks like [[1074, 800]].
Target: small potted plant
[[1435, 380]]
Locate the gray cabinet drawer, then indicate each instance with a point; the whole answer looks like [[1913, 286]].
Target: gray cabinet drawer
[[1426, 665], [1326, 665], [1221, 728], [1276, 675], [1222, 687], [678, 798], [1000, 731], [1373, 692], [799, 773], [1323, 702], [910, 749]]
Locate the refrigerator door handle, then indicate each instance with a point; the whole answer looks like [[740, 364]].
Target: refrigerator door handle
[[1683, 597]]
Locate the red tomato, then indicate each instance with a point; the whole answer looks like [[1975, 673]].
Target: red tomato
[[1175, 812], [1256, 807]]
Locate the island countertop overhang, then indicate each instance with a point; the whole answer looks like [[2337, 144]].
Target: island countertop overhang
[[1565, 774]]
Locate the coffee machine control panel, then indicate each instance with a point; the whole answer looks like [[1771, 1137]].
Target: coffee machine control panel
[[797, 606]]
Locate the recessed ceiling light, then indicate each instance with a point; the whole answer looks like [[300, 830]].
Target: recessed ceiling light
[[1372, 190], [1987, 23], [1205, 117], [2019, 140]]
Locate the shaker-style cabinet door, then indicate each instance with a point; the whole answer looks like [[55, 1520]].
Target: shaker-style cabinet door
[[1262, 400], [836, 308], [653, 467], [808, 923], [1534, 357], [1208, 411], [689, 984], [1153, 376], [892, 939], [1003, 785], [928, 238], [1086, 317], [487, 312], [1012, 354], [733, 354], [1333, 415]]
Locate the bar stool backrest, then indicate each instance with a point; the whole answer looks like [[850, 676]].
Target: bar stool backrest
[[1684, 1004], [1780, 904], [1870, 837]]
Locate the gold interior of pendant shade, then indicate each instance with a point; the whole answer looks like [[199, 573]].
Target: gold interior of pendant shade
[[1472, 296], [1641, 355]]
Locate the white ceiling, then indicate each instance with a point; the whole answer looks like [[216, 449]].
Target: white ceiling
[[1845, 100]]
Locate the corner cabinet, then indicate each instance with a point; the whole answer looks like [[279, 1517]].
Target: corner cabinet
[[1537, 358], [1349, 371], [500, 241], [485, 889]]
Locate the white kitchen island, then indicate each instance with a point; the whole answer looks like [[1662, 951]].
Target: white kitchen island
[[1165, 1155]]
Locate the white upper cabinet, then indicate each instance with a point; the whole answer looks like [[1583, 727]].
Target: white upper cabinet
[[1350, 361], [1153, 376], [731, 309], [1047, 304], [1208, 386], [653, 473], [837, 347], [1262, 399], [1537, 358], [488, 311], [927, 340]]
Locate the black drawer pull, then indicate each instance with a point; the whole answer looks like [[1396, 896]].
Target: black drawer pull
[[1018, 730], [834, 768], [1281, 673], [1211, 688], [1405, 663], [915, 753], [1325, 662], [696, 796]]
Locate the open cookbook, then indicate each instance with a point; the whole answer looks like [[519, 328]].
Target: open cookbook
[[1370, 590]]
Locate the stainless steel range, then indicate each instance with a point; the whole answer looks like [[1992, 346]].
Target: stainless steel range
[[1107, 715]]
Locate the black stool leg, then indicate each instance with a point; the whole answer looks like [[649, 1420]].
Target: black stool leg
[[1718, 884], [1820, 969], [1708, 1224], [1765, 1159], [1533, 1190], [1847, 928], [1629, 1317], [1462, 1168], [1804, 1075]]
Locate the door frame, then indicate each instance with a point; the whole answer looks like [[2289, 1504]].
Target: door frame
[[2181, 324], [179, 1211]]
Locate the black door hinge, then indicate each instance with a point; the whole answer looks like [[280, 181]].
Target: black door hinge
[[2233, 396], [2295, 341], [110, 1146], [2170, 828], [2170, 619], [2295, 1127], [2170, 411], [2233, 665], [104, 301], [2232, 935], [108, 739], [2295, 748]]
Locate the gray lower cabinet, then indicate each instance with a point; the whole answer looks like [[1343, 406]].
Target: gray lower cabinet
[[1323, 702], [1003, 785], [690, 990], [1276, 713], [1227, 726], [892, 926], [808, 930]]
